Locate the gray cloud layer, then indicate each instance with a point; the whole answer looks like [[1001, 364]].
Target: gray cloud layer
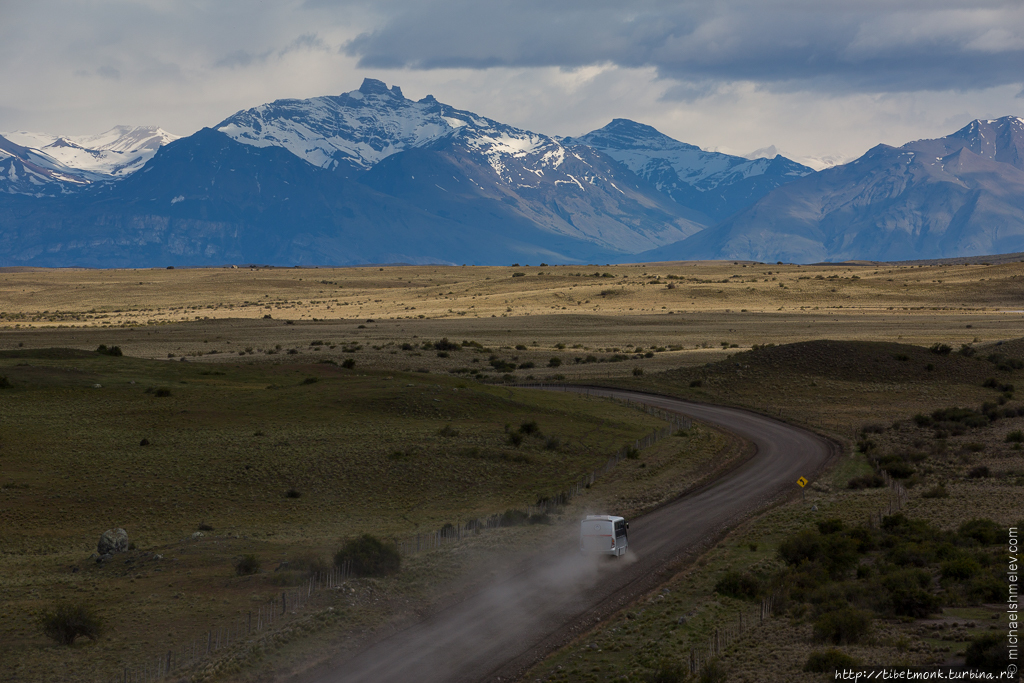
[[836, 45]]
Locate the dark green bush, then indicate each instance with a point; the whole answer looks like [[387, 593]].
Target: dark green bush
[[4, 382], [529, 428], [803, 547], [941, 349], [866, 481], [516, 439], [554, 362], [696, 383], [369, 556], [739, 585], [846, 626], [68, 621], [109, 351], [348, 363], [988, 653], [830, 526], [247, 564], [828, 661], [444, 345], [984, 531], [906, 593], [1015, 437]]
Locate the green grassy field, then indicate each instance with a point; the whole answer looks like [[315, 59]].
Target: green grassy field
[[360, 451]]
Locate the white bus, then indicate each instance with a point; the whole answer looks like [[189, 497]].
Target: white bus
[[604, 534]]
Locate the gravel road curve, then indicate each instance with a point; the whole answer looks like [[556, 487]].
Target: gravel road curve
[[497, 633]]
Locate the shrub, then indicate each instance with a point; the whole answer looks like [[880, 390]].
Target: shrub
[[247, 564], [554, 362], [941, 349], [979, 472], [961, 568], [696, 383], [369, 556], [109, 351], [68, 621], [311, 380], [867, 481], [638, 372], [827, 661], [906, 593], [830, 526], [162, 392], [553, 443], [739, 585], [514, 518], [668, 672], [516, 439], [444, 345], [988, 653], [937, 491], [4, 382], [632, 453], [530, 427], [845, 626], [293, 493], [348, 363], [448, 431], [804, 546], [1015, 437], [984, 531]]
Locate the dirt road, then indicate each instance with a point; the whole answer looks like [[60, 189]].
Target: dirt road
[[497, 633]]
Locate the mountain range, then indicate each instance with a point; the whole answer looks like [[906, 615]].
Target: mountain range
[[370, 176]]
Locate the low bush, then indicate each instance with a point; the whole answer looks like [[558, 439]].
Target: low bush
[[937, 491], [846, 626], [828, 661], [67, 621], [529, 428], [866, 481], [369, 556], [247, 564], [348, 363], [988, 653], [109, 350], [739, 585], [1015, 437]]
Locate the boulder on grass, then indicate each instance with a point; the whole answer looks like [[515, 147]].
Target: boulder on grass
[[112, 541]]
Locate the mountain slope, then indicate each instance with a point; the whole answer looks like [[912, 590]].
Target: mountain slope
[[960, 195], [712, 183], [207, 200]]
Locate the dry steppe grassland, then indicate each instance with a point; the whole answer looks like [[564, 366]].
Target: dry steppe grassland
[[331, 383]]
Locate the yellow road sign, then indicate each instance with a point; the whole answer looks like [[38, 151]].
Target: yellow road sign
[[802, 482]]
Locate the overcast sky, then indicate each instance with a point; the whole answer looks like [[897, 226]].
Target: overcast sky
[[813, 77]]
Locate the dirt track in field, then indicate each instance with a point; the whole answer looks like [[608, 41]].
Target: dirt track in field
[[496, 634]]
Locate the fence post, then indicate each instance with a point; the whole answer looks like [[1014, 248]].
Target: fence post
[[284, 603], [168, 661]]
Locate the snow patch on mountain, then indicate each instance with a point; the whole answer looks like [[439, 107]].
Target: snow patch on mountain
[[115, 153]]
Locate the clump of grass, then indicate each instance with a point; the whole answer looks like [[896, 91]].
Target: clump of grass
[[247, 565], [369, 556], [65, 622], [448, 431]]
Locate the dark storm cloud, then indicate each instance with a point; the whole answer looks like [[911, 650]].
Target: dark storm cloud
[[836, 45]]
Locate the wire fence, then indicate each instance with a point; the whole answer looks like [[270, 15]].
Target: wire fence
[[726, 634], [270, 615]]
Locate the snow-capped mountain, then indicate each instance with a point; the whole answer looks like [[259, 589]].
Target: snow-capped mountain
[[960, 195], [80, 160], [816, 163], [569, 189], [711, 182], [28, 171]]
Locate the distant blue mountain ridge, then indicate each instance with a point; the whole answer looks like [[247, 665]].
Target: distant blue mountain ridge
[[370, 176]]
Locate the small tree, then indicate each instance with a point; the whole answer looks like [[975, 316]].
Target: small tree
[[68, 621], [369, 556]]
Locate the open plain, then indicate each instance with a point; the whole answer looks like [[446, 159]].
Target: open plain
[[379, 396]]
